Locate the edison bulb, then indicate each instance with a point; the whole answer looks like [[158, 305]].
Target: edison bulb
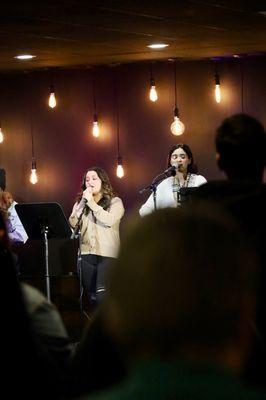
[[153, 94], [95, 129], [52, 100], [1, 136], [217, 93], [120, 171], [177, 127], [33, 176]]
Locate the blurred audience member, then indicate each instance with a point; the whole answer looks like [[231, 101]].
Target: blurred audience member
[[2, 179], [16, 231], [181, 312], [241, 154], [32, 336]]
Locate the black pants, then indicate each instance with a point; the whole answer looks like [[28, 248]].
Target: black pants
[[92, 272]]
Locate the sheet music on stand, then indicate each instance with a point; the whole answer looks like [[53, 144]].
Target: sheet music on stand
[[44, 221]]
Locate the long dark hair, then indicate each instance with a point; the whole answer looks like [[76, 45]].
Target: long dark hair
[[192, 167], [107, 191]]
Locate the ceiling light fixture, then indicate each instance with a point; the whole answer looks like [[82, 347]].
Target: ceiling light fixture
[[158, 46], [119, 169], [33, 175], [52, 99], [1, 135], [217, 92], [25, 57], [95, 126], [153, 93], [177, 127]]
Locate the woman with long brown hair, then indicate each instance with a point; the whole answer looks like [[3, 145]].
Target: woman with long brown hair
[[96, 214]]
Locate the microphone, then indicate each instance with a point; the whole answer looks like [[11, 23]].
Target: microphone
[[81, 208], [82, 203], [171, 169]]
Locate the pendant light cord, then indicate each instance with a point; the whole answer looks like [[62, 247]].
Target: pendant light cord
[[242, 85], [32, 142], [116, 101], [93, 93], [175, 85]]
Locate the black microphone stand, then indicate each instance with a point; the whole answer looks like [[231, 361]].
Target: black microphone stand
[[76, 234], [155, 183]]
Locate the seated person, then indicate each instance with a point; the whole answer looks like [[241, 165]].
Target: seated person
[[16, 231], [30, 333]]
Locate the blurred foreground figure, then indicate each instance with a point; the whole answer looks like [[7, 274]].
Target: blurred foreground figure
[[35, 346], [181, 313], [240, 143]]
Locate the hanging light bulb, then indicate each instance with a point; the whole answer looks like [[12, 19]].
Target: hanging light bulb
[[1, 135], [33, 175], [95, 128], [217, 88], [119, 169], [95, 125], [177, 127], [153, 92], [52, 98]]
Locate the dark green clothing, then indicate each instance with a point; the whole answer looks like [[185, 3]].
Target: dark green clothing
[[176, 380]]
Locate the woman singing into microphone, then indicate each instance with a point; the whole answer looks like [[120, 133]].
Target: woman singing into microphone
[[98, 212], [168, 192]]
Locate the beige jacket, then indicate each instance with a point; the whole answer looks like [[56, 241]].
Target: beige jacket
[[100, 228]]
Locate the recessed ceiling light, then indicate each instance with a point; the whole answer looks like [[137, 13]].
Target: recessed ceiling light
[[25, 57], [158, 45]]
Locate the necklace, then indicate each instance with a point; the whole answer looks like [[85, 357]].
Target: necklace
[[177, 186]]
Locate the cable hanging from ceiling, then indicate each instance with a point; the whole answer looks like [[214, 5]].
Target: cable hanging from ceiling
[[242, 82], [177, 127], [95, 124], [153, 95], [217, 90], [52, 101], [119, 168], [33, 175]]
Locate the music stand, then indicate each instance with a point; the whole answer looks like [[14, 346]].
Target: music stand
[[185, 194], [44, 221]]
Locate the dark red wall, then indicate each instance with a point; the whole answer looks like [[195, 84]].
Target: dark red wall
[[64, 146]]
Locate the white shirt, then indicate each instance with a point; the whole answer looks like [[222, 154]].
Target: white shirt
[[16, 231], [165, 196]]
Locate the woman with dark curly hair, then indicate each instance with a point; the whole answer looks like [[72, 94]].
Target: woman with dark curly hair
[[183, 175], [98, 212]]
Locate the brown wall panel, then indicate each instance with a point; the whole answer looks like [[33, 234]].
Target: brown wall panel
[[64, 146]]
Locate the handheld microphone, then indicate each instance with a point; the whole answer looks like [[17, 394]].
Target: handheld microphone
[[81, 209], [83, 202]]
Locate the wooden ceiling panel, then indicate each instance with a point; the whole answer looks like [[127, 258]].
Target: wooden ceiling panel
[[75, 33]]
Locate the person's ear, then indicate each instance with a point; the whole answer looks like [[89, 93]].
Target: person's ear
[[219, 161], [189, 161]]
